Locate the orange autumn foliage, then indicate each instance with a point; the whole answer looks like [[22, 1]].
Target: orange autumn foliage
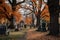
[[4, 11], [33, 0], [9, 11], [45, 14], [28, 20], [7, 7], [3, 19], [18, 16]]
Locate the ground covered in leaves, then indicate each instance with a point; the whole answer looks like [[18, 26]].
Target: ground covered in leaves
[[34, 35]]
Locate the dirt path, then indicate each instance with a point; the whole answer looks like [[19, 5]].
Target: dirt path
[[34, 35]]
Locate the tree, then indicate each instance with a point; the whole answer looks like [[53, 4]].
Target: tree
[[14, 5], [4, 12], [54, 14], [36, 7]]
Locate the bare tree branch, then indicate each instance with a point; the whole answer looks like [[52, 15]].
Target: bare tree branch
[[20, 2], [10, 2], [26, 7]]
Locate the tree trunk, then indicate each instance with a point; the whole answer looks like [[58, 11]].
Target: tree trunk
[[38, 21], [54, 15], [14, 4], [13, 8], [33, 20], [54, 26]]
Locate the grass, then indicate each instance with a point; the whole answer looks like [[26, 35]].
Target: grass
[[14, 35]]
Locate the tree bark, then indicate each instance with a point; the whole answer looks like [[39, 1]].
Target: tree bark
[[54, 15], [38, 21], [33, 20], [38, 16]]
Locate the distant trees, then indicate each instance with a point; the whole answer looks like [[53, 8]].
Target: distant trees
[[37, 11]]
